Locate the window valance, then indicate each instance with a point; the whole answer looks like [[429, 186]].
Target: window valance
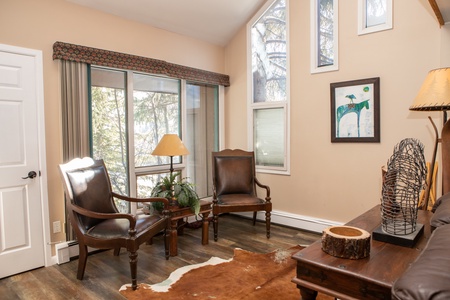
[[100, 57]]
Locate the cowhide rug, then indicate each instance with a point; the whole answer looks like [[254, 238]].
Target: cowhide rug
[[246, 276]]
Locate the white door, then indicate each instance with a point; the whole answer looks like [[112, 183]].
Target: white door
[[21, 225]]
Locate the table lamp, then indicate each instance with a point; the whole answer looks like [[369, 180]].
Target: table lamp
[[170, 145], [434, 95]]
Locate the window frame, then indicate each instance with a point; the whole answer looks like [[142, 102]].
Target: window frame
[[252, 106], [133, 170], [362, 19], [314, 42]]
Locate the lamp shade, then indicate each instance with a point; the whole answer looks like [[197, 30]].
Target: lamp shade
[[170, 145], [435, 91]]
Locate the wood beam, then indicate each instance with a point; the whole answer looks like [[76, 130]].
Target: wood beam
[[437, 11]]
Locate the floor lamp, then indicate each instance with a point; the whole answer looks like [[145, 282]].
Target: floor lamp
[[434, 95], [170, 145]]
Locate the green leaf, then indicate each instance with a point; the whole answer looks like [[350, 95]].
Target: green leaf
[[183, 191]]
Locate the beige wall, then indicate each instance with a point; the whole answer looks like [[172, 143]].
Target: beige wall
[[38, 24], [337, 181], [445, 46]]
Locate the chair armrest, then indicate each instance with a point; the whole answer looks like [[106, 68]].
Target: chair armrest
[[104, 216], [152, 199], [214, 195], [264, 187]]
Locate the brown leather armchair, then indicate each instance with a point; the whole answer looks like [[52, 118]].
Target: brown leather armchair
[[234, 186], [96, 220]]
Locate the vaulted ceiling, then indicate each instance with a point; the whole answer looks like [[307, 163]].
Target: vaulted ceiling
[[214, 21]]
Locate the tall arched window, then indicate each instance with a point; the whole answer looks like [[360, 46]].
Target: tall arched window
[[268, 77]]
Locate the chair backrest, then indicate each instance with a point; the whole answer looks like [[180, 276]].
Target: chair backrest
[[234, 172], [87, 185]]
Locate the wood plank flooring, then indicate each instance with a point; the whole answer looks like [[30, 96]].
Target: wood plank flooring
[[106, 273]]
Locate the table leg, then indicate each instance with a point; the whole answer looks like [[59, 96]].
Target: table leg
[[205, 228], [307, 294], [173, 238]]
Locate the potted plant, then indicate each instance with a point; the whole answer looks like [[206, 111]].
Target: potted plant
[[183, 192]]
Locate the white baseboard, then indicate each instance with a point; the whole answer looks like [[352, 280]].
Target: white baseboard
[[65, 251], [294, 220], [289, 219]]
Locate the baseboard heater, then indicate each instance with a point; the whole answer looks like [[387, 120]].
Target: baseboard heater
[[67, 251]]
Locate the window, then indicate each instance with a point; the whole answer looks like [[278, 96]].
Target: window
[[108, 127], [268, 74], [202, 134], [324, 36], [130, 112], [374, 15]]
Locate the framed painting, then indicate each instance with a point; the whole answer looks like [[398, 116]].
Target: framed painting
[[355, 111]]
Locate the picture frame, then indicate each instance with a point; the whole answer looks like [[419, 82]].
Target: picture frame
[[355, 111], [374, 16]]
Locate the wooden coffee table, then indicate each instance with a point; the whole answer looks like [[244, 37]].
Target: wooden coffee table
[[367, 278], [177, 214]]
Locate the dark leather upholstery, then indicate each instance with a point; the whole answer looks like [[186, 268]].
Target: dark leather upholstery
[[91, 183], [441, 211], [97, 222], [234, 175], [429, 276], [234, 186]]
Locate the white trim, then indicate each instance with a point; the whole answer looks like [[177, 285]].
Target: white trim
[[294, 220], [39, 75], [183, 111], [287, 219], [314, 38], [69, 250], [363, 29], [42, 156], [131, 154]]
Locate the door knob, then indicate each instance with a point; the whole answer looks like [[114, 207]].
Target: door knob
[[31, 175]]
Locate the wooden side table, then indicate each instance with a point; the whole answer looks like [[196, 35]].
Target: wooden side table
[[177, 214], [367, 278]]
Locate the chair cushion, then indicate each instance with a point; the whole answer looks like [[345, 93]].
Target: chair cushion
[[239, 199], [234, 175], [441, 211], [118, 228], [91, 183], [428, 277]]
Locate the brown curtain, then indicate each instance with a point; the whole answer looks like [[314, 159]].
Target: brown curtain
[[75, 111], [75, 116]]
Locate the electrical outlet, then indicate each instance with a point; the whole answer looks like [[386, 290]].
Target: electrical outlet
[[56, 226]]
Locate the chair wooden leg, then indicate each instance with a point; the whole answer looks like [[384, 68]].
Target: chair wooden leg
[[82, 258], [254, 217], [166, 243], [268, 223], [116, 251], [216, 226], [133, 268]]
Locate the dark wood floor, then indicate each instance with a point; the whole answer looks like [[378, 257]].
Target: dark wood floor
[[106, 273]]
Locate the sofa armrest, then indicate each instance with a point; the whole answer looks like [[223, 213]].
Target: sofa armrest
[[428, 277], [441, 211]]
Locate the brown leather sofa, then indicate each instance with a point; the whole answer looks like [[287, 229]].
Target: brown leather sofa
[[429, 276]]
